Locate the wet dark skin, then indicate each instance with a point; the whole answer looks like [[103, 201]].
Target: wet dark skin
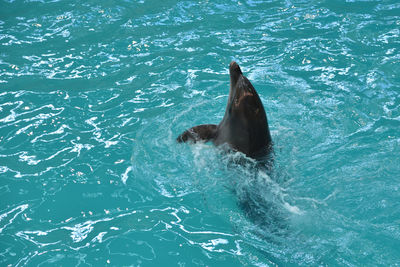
[[244, 126]]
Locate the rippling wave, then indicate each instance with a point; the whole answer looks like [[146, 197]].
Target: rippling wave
[[93, 95]]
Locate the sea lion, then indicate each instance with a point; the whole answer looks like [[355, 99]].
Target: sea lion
[[244, 126]]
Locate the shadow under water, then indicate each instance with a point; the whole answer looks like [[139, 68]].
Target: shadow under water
[[260, 195]]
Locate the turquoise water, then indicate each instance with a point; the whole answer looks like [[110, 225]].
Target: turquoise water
[[93, 95]]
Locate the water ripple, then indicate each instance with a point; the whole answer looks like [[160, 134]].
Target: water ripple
[[93, 95]]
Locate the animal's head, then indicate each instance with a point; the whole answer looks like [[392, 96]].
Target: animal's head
[[243, 101]]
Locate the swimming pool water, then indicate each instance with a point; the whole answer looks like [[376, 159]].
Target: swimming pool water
[[94, 93]]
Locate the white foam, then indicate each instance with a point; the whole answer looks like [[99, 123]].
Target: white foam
[[124, 176]]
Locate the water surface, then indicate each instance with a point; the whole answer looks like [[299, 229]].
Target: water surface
[[93, 95]]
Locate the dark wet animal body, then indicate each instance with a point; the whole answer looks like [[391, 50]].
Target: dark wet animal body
[[244, 126]]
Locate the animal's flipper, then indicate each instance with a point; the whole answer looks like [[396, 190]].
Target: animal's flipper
[[203, 133]]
